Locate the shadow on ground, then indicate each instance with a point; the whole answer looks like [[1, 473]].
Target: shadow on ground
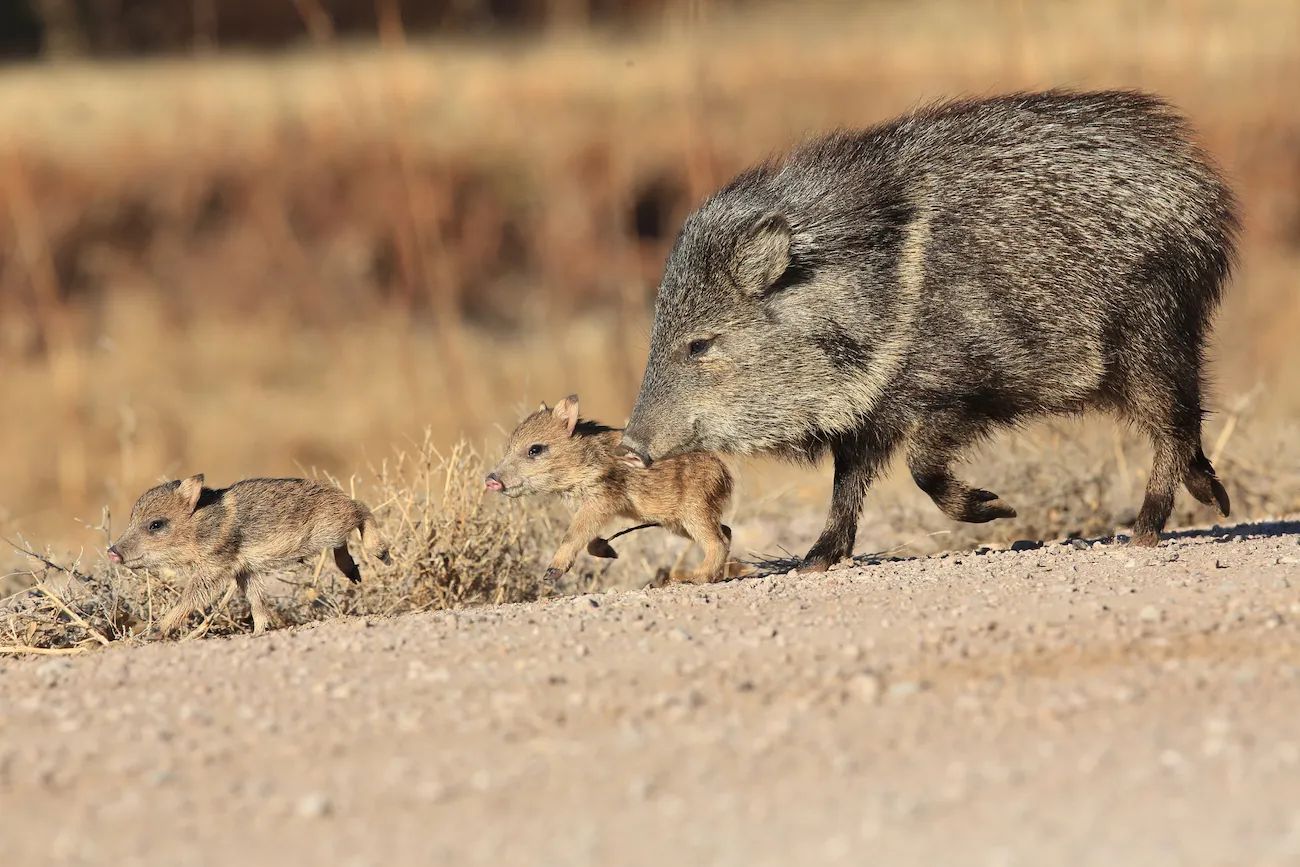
[[779, 564]]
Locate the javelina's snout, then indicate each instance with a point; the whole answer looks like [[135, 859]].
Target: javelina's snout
[[493, 482], [634, 454]]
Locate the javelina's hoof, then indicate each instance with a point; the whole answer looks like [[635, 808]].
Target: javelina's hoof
[[683, 576], [817, 563], [1146, 539], [553, 574], [980, 507], [601, 548], [830, 548], [737, 569]]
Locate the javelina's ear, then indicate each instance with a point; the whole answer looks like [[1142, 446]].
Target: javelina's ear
[[567, 412], [190, 490], [762, 254]]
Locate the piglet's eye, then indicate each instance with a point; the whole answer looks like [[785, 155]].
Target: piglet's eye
[[536, 449], [158, 525]]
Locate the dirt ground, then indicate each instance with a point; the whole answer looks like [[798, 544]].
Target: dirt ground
[[1075, 703]]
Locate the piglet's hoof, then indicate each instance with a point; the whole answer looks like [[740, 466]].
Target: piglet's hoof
[[738, 569], [601, 548], [553, 574]]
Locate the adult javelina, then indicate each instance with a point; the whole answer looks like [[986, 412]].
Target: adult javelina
[[927, 280]]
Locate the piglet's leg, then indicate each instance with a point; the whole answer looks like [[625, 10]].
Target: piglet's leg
[[198, 593], [253, 586], [715, 539], [586, 525]]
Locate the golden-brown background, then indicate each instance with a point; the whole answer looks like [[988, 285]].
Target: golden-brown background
[[249, 238]]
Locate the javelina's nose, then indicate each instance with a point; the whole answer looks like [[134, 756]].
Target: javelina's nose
[[493, 483], [114, 555], [635, 454]]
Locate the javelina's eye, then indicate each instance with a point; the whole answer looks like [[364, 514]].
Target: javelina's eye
[[698, 347], [536, 449], [158, 525]]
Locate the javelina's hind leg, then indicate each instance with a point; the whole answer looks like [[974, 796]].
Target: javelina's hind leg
[[371, 540], [1203, 484], [858, 455], [1176, 460], [254, 589], [346, 564], [715, 539], [1166, 473], [930, 457], [1179, 459]]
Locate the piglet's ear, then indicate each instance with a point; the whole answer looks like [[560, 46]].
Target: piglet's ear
[[542, 407], [190, 490], [567, 412], [762, 254]]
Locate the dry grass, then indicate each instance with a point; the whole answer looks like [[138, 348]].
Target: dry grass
[[450, 547], [257, 265]]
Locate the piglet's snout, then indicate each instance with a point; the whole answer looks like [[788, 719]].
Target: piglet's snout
[[114, 555], [493, 483]]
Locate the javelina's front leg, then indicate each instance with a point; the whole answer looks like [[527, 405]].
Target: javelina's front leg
[[858, 455], [584, 527], [198, 593]]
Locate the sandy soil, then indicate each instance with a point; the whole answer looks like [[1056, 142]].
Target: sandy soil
[[1070, 704]]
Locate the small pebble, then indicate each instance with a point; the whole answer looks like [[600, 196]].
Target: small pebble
[[867, 686], [316, 805], [905, 688]]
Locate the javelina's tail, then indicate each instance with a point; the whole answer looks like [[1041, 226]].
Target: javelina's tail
[[371, 539], [599, 547], [1204, 485]]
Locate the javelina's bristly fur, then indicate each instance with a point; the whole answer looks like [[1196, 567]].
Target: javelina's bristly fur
[[925, 281], [238, 533], [553, 451]]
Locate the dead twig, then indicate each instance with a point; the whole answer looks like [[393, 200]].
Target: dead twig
[[45, 560], [22, 649]]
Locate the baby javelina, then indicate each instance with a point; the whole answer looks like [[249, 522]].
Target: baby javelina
[[553, 452], [239, 532]]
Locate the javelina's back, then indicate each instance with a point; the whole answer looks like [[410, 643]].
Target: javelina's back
[[1046, 234], [1052, 234], [287, 518], [927, 279]]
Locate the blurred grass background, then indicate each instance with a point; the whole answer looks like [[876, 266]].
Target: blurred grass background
[[251, 238]]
